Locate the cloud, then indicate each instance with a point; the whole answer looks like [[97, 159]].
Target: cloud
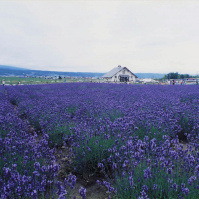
[[95, 36]]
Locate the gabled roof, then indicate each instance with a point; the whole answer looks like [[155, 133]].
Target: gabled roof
[[115, 71]]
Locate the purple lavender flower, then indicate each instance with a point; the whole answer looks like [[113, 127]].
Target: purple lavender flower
[[34, 194], [99, 183], [169, 170], [37, 166], [148, 161], [143, 195], [131, 181], [197, 170], [82, 192], [145, 188], [175, 186], [155, 186], [185, 191], [183, 185], [147, 173], [100, 165], [170, 180], [191, 180], [114, 166], [36, 173], [72, 181], [111, 189]]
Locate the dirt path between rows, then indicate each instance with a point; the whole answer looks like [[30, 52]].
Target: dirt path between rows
[[93, 190]]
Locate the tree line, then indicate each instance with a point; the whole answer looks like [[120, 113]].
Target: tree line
[[178, 76]]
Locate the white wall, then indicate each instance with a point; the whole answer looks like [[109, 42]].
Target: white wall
[[131, 77]]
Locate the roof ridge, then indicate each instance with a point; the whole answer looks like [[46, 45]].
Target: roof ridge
[[115, 70]]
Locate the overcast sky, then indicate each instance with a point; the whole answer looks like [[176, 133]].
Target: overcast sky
[[96, 36]]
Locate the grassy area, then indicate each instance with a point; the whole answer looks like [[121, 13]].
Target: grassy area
[[37, 80]]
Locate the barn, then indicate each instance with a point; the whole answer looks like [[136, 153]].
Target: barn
[[120, 74]]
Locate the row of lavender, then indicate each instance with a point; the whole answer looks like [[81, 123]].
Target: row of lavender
[[27, 165], [130, 133]]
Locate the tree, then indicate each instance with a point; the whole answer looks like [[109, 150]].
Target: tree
[[182, 76], [176, 76]]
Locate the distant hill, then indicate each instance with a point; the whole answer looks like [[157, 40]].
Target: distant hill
[[150, 75], [11, 67], [16, 71]]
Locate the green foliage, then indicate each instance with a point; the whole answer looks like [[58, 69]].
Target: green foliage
[[56, 138], [90, 152], [115, 114], [172, 76], [14, 101], [177, 76], [161, 179], [152, 132], [186, 128], [41, 80], [71, 110]]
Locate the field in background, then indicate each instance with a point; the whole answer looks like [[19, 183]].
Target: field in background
[[41, 80]]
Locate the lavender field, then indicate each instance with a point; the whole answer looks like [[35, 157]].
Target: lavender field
[[140, 141]]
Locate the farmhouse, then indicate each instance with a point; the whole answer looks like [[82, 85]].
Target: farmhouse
[[120, 74]]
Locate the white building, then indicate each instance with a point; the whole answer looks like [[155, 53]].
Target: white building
[[148, 80], [120, 74]]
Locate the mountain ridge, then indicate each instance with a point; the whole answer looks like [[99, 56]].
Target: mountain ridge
[[17, 71]]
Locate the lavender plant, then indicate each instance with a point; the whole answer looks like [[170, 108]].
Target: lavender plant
[[133, 134]]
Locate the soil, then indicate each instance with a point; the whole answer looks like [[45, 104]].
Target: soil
[[93, 190]]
